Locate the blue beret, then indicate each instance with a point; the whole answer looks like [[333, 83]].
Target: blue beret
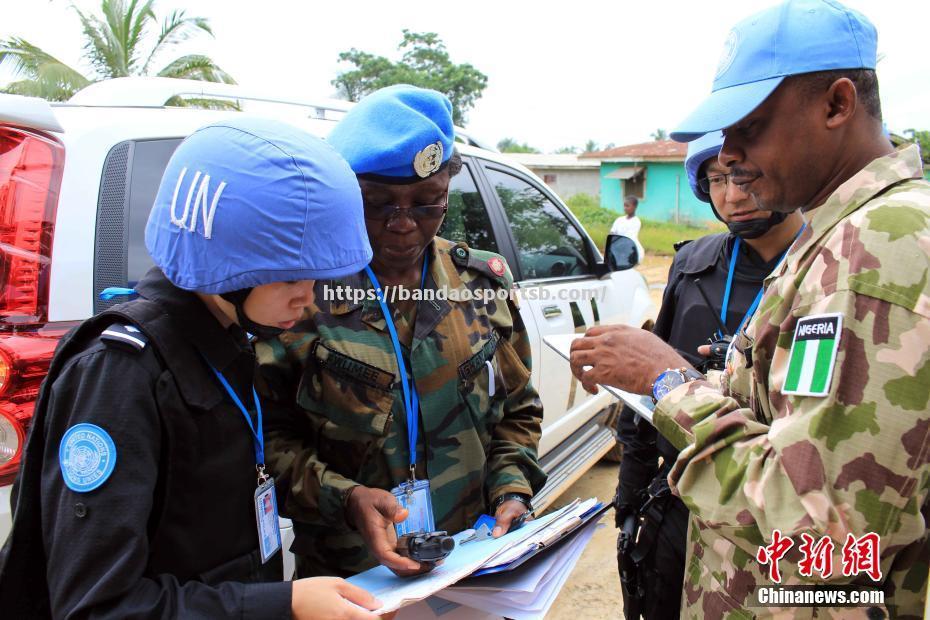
[[250, 201], [401, 133], [704, 148]]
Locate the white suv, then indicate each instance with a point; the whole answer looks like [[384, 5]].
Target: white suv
[[77, 181]]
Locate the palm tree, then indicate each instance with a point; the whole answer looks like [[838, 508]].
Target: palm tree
[[114, 47]]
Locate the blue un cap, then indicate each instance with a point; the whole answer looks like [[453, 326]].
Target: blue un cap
[[797, 36], [400, 134], [699, 151], [249, 201]]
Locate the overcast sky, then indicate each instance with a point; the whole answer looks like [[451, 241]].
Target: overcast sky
[[559, 73]]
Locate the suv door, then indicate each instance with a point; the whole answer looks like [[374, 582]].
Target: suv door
[[556, 271]]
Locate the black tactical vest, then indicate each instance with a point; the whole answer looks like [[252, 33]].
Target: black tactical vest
[[202, 525]]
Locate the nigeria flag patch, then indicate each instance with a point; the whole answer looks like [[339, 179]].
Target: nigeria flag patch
[[813, 353]]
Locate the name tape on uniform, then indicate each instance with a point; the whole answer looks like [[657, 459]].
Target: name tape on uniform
[[813, 355]]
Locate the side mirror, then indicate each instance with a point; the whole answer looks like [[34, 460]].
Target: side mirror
[[621, 253]]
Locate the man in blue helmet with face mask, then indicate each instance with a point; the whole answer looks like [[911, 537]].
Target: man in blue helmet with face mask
[[142, 491], [713, 284]]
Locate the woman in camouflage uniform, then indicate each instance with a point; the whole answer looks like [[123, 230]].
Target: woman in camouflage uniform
[[338, 438]]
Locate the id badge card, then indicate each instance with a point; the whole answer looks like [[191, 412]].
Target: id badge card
[[415, 497], [266, 516]]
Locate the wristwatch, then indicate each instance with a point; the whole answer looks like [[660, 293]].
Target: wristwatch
[[506, 497], [671, 379]]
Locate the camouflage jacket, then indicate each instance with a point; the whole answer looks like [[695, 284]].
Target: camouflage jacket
[[857, 460], [478, 434]]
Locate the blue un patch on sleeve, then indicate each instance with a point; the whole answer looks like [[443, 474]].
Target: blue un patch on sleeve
[[87, 456]]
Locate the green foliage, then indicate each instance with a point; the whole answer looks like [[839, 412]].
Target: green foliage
[[113, 45], [425, 63], [509, 145], [661, 237], [659, 134], [46, 76], [921, 137], [583, 201], [591, 146], [596, 219], [655, 237], [566, 150]]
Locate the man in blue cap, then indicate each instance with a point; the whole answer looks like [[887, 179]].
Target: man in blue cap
[[143, 491], [421, 401], [807, 462], [713, 284]]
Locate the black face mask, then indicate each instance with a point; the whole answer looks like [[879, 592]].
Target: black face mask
[[237, 299], [753, 229]]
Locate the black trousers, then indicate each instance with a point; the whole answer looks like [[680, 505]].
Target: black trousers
[[662, 571]]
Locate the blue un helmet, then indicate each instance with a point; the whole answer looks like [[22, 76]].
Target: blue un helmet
[[250, 201], [704, 148]]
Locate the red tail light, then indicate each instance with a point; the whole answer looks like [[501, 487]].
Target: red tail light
[[31, 166]]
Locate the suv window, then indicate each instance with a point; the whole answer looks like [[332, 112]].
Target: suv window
[[548, 243], [467, 218], [149, 160]]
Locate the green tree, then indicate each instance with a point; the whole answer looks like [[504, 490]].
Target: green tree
[[114, 45], [591, 146], [567, 150], [425, 63], [922, 138], [509, 145], [659, 134]]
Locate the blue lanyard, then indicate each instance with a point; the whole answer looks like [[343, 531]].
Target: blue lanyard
[[755, 303], [726, 291], [258, 436], [409, 388]]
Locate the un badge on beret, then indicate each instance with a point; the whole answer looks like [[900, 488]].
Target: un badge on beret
[[87, 456], [428, 160]]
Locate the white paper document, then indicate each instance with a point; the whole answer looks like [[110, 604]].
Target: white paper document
[[395, 592], [494, 554], [643, 405], [528, 592]]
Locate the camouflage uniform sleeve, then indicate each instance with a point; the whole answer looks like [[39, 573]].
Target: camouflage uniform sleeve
[[855, 461], [309, 490], [512, 460], [513, 464]]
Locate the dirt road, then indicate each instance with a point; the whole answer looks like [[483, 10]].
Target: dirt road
[[593, 590]]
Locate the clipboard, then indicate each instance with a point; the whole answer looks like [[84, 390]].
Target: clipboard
[[540, 548], [642, 405]]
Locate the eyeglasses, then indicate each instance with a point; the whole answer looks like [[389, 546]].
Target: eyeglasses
[[417, 213], [715, 181]]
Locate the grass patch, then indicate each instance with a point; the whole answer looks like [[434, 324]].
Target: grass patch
[[656, 237]]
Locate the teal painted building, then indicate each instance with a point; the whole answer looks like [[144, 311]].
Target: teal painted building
[[654, 172]]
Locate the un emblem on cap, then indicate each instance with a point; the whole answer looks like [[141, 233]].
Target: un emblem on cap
[[729, 53], [428, 160], [87, 456]]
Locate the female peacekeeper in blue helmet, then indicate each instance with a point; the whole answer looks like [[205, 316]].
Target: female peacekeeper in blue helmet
[[142, 491]]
